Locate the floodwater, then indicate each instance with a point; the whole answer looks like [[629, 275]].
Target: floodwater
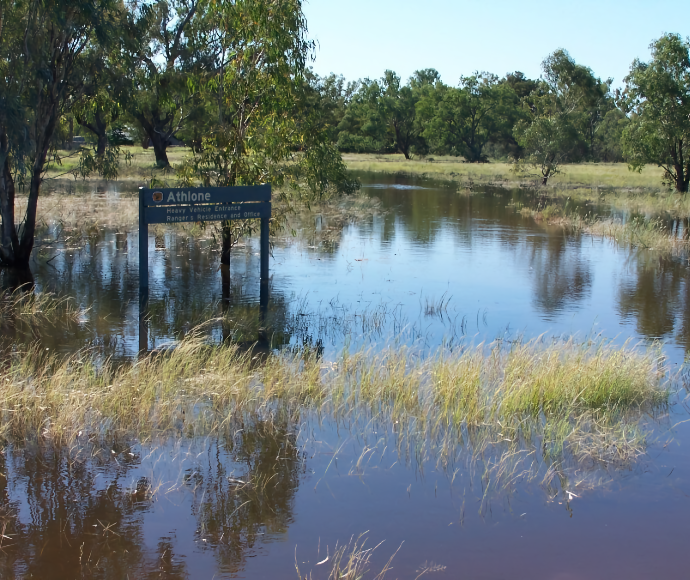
[[428, 267]]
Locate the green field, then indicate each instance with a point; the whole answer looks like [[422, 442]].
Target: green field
[[591, 175], [142, 165]]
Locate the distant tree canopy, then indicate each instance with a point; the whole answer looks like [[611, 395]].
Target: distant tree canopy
[[566, 115], [463, 120]]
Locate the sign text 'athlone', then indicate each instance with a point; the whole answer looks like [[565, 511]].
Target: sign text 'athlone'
[[188, 197]]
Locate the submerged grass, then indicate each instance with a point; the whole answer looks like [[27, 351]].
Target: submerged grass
[[351, 560], [653, 234], [557, 406], [25, 304]]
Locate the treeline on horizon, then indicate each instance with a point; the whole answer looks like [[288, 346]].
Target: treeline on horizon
[[230, 79], [484, 117], [567, 115]]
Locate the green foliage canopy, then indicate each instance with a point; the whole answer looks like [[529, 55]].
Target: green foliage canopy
[[265, 132], [565, 113], [657, 96], [461, 121]]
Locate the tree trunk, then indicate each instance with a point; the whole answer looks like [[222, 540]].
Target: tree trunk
[[402, 144], [15, 251], [159, 140], [160, 146], [227, 244], [98, 128], [226, 326], [225, 286], [8, 233], [681, 180], [682, 176], [102, 144], [16, 278], [28, 227]]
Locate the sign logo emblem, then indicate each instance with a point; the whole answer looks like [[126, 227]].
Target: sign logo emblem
[[157, 196]]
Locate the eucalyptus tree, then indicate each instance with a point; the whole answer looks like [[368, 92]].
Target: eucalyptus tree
[[398, 105], [565, 112], [657, 97], [42, 46], [549, 140], [579, 94], [100, 104], [426, 77], [171, 44], [99, 110], [264, 132], [522, 85], [330, 96], [608, 140]]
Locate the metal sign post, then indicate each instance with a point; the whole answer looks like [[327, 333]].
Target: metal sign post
[[200, 204]]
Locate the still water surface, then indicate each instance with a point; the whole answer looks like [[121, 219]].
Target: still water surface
[[429, 267]]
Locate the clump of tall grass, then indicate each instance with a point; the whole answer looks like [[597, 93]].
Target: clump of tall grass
[[561, 378], [646, 201], [433, 307], [646, 234], [562, 401], [528, 408]]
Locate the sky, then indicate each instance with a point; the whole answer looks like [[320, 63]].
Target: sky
[[363, 38]]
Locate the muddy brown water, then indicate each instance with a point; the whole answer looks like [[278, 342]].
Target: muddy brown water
[[430, 268]]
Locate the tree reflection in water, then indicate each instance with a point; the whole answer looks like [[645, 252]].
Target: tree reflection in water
[[657, 297], [66, 514], [237, 509], [561, 275]]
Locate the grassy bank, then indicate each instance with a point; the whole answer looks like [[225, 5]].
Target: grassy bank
[[587, 175], [142, 166]]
